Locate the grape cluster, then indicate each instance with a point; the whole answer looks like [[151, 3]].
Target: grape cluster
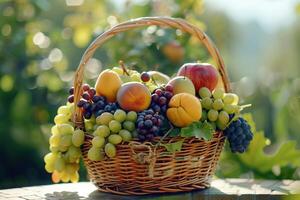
[[239, 135], [111, 129], [160, 99], [92, 103], [149, 124], [218, 107], [65, 142]]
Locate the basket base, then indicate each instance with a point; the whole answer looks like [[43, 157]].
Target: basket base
[[187, 188]]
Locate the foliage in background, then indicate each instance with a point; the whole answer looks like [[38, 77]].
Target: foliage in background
[[41, 43]]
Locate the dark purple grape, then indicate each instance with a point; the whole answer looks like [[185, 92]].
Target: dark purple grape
[[154, 120], [154, 130], [141, 124], [81, 103], [71, 90], [85, 87], [158, 92], [145, 77], [148, 123], [92, 92], [162, 101], [93, 107], [169, 88], [86, 96], [141, 137], [155, 97], [87, 106], [168, 95], [148, 117], [107, 108], [87, 115], [164, 108], [95, 99], [71, 98], [99, 112], [149, 137], [156, 108]]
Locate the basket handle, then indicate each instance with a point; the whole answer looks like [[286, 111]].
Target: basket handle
[[175, 23]]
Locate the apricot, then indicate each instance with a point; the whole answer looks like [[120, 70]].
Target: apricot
[[134, 96], [108, 84], [184, 109]]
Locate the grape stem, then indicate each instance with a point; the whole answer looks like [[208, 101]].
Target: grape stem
[[122, 65]]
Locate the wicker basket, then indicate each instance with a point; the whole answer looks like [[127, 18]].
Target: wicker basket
[[144, 168]]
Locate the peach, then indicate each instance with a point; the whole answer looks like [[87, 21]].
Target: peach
[[134, 96], [108, 84], [184, 109]]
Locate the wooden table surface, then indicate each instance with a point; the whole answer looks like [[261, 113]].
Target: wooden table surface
[[222, 189]]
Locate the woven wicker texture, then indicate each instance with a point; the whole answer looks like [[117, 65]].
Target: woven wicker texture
[[147, 168]]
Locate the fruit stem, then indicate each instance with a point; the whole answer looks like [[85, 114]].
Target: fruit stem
[[121, 63]]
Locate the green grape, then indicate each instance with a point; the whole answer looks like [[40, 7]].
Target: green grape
[[54, 130], [63, 148], [65, 177], [59, 164], [134, 134], [212, 115], [230, 109], [110, 150], [236, 108], [115, 139], [54, 149], [89, 125], [118, 70], [220, 125], [236, 99], [61, 119], [78, 138], [104, 118], [50, 157], [120, 115], [228, 98], [204, 92], [126, 135], [74, 177], [217, 104], [102, 131], [115, 126], [128, 125], [65, 141], [73, 154], [65, 110], [204, 115], [218, 93], [95, 154], [136, 77], [72, 168], [49, 168], [65, 129], [54, 140], [131, 116], [71, 106], [98, 141], [206, 103], [223, 118]]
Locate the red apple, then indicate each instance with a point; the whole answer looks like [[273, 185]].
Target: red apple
[[201, 74]]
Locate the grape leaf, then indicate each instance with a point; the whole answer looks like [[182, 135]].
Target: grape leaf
[[255, 157], [200, 130], [173, 147]]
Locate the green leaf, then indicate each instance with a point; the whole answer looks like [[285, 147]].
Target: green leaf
[[174, 132], [256, 158], [173, 147], [200, 130]]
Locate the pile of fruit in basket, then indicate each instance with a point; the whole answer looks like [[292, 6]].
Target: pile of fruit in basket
[[126, 105]]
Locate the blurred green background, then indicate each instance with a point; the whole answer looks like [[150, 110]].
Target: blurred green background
[[41, 43]]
